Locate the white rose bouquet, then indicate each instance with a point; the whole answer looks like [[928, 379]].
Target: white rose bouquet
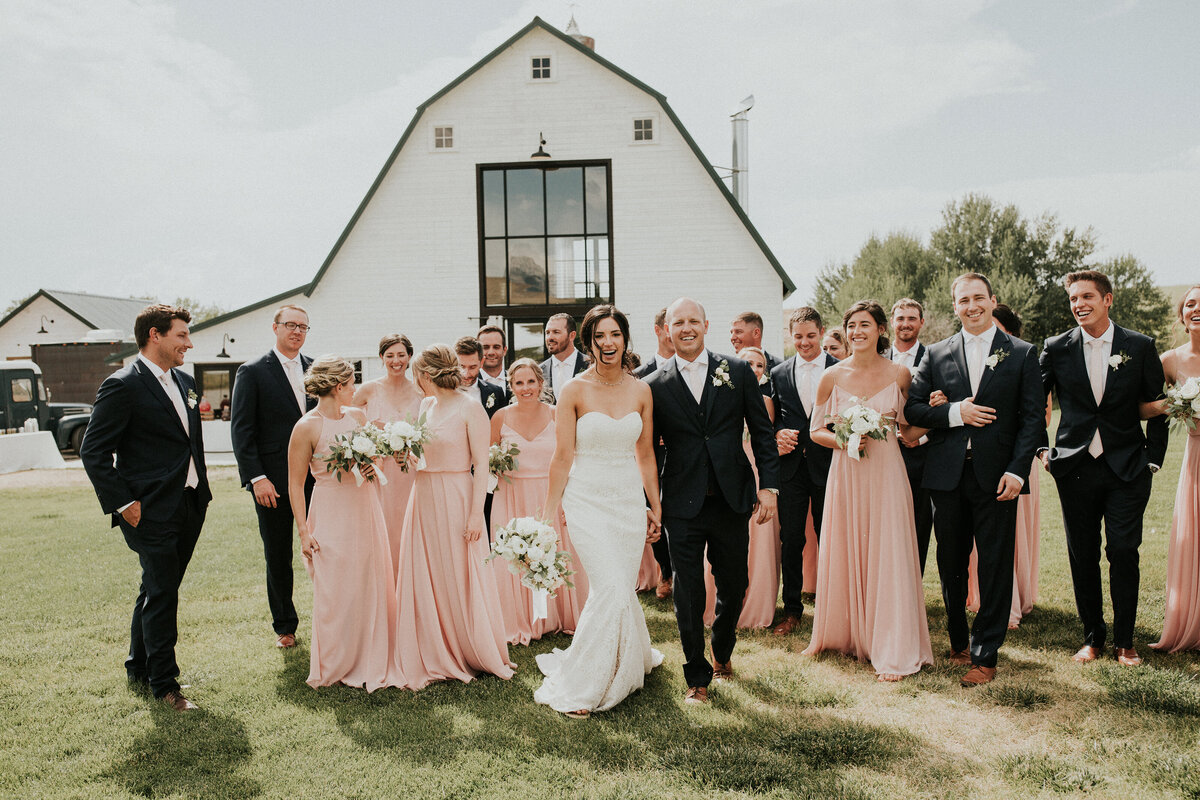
[[860, 421], [530, 546], [404, 437], [1183, 403], [352, 451], [502, 459]]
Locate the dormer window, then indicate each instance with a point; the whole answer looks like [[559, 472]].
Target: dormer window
[[541, 67]]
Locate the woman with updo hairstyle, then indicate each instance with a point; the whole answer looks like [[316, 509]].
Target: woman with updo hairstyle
[[870, 601], [834, 344], [528, 422], [344, 542], [450, 626], [388, 399], [765, 547]]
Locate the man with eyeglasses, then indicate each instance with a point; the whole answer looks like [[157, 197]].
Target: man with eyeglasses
[[268, 401]]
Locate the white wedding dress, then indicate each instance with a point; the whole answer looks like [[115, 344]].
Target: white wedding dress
[[606, 513]]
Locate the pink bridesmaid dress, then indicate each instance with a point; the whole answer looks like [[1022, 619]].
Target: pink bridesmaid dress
[[450, 627], [1025, 554], [870, 601], [1181, 623], [523, 497], [354, 597], [394, 496], [758, 608]]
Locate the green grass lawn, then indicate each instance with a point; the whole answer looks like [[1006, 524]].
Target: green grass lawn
[[788, 727]]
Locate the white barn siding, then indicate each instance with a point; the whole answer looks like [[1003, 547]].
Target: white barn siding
[[22, 330]]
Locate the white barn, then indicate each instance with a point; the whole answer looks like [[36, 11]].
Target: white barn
[[463, 224]]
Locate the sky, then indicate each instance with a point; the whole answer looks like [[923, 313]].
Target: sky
[[216, 150]]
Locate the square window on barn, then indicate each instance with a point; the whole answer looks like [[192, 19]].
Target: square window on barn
[[643, 130], [443, 137], [541, 67]]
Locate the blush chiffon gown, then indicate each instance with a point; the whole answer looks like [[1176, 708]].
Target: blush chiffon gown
[[394, 496], [522, 496], [870, 601], [354, 599], [1181, 623], [449, 626]]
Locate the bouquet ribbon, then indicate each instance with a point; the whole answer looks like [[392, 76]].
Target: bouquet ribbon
[[852, 446], [358, 476], [539, 603]]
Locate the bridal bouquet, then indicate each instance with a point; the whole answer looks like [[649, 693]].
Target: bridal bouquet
[[403, 437], [856, 422], [502, 459], [530, 546], [352, 451], [1183, 403]]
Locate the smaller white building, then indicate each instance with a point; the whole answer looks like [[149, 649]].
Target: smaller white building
[[51, 316]]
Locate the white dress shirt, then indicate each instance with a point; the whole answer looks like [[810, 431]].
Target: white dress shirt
[[473, 390], [1096, 352], [562, 370], [168, 384], [810, 371], [293, 370], [500, 380], [694, 372], [907, 358], [660, 362]]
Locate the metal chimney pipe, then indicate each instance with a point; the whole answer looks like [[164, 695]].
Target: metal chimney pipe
[[741, 154]]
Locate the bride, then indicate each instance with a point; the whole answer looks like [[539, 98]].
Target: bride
[[604, 440]]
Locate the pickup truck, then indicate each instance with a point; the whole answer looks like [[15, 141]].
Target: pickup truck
[[23, 397]]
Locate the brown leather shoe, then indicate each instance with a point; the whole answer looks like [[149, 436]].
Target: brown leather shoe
[[664, 589], [1086, 653], [178, 702], [285, 640], [789, 624], [960, 657], [696, 696], [977, 676], [722, 671], [1128, 657]]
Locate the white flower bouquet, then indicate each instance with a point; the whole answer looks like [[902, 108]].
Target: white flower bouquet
[[351, 452], [1183, 403], [530, 546], [860, 421], [502, 459], [404, 437]]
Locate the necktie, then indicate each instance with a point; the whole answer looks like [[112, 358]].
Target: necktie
[[176, 399], [975, 362], [297, 381], [695, 377], [806, 387], [1096, 374]]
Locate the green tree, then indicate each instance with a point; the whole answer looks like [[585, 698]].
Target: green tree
[[200, 311], [1137, 302]]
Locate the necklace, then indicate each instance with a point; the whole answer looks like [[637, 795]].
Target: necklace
[[596, 379]]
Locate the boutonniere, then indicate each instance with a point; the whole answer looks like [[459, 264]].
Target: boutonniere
[[995, 358], [192, 399], [1115, 361], [721, 375], [491, 401]]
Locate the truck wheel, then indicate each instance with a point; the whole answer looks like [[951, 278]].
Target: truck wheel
[[77, 438]]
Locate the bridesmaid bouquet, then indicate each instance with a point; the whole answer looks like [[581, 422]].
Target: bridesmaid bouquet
[[530, 546], [351, 452], [856, 422], [403, 438], [1183, 403], [502, 458]]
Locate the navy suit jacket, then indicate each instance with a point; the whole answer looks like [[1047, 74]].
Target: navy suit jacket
[[492, 397], [705, 438], [261, 419], [790, 414], [134, 419], [1013, 387], [580, 365], [914, 457], [1127, 449]]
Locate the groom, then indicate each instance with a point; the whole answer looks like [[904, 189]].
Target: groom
[[702, 404]]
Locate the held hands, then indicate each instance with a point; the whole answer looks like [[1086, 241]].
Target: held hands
[[653, 525], [786, 440], [1045, 457], [1009, 488], [976, 416], [764, 509], [937, 398], [474, 527], [264, 493], [133, 514]]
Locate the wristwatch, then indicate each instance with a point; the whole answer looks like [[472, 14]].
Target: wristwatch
[[1154, 468], [774, 492]]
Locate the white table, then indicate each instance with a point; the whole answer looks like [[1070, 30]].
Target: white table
[[21, 451]]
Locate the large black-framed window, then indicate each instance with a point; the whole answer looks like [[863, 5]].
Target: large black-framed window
[[545, 237]]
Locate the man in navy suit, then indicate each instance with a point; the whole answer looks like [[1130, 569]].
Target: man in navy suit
[[908, 317], [662, 357], [268, 401], [702, 404], [803, 466], [1102, 462], [157, 490], [470, 360], [981, 444], [565, 361]]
